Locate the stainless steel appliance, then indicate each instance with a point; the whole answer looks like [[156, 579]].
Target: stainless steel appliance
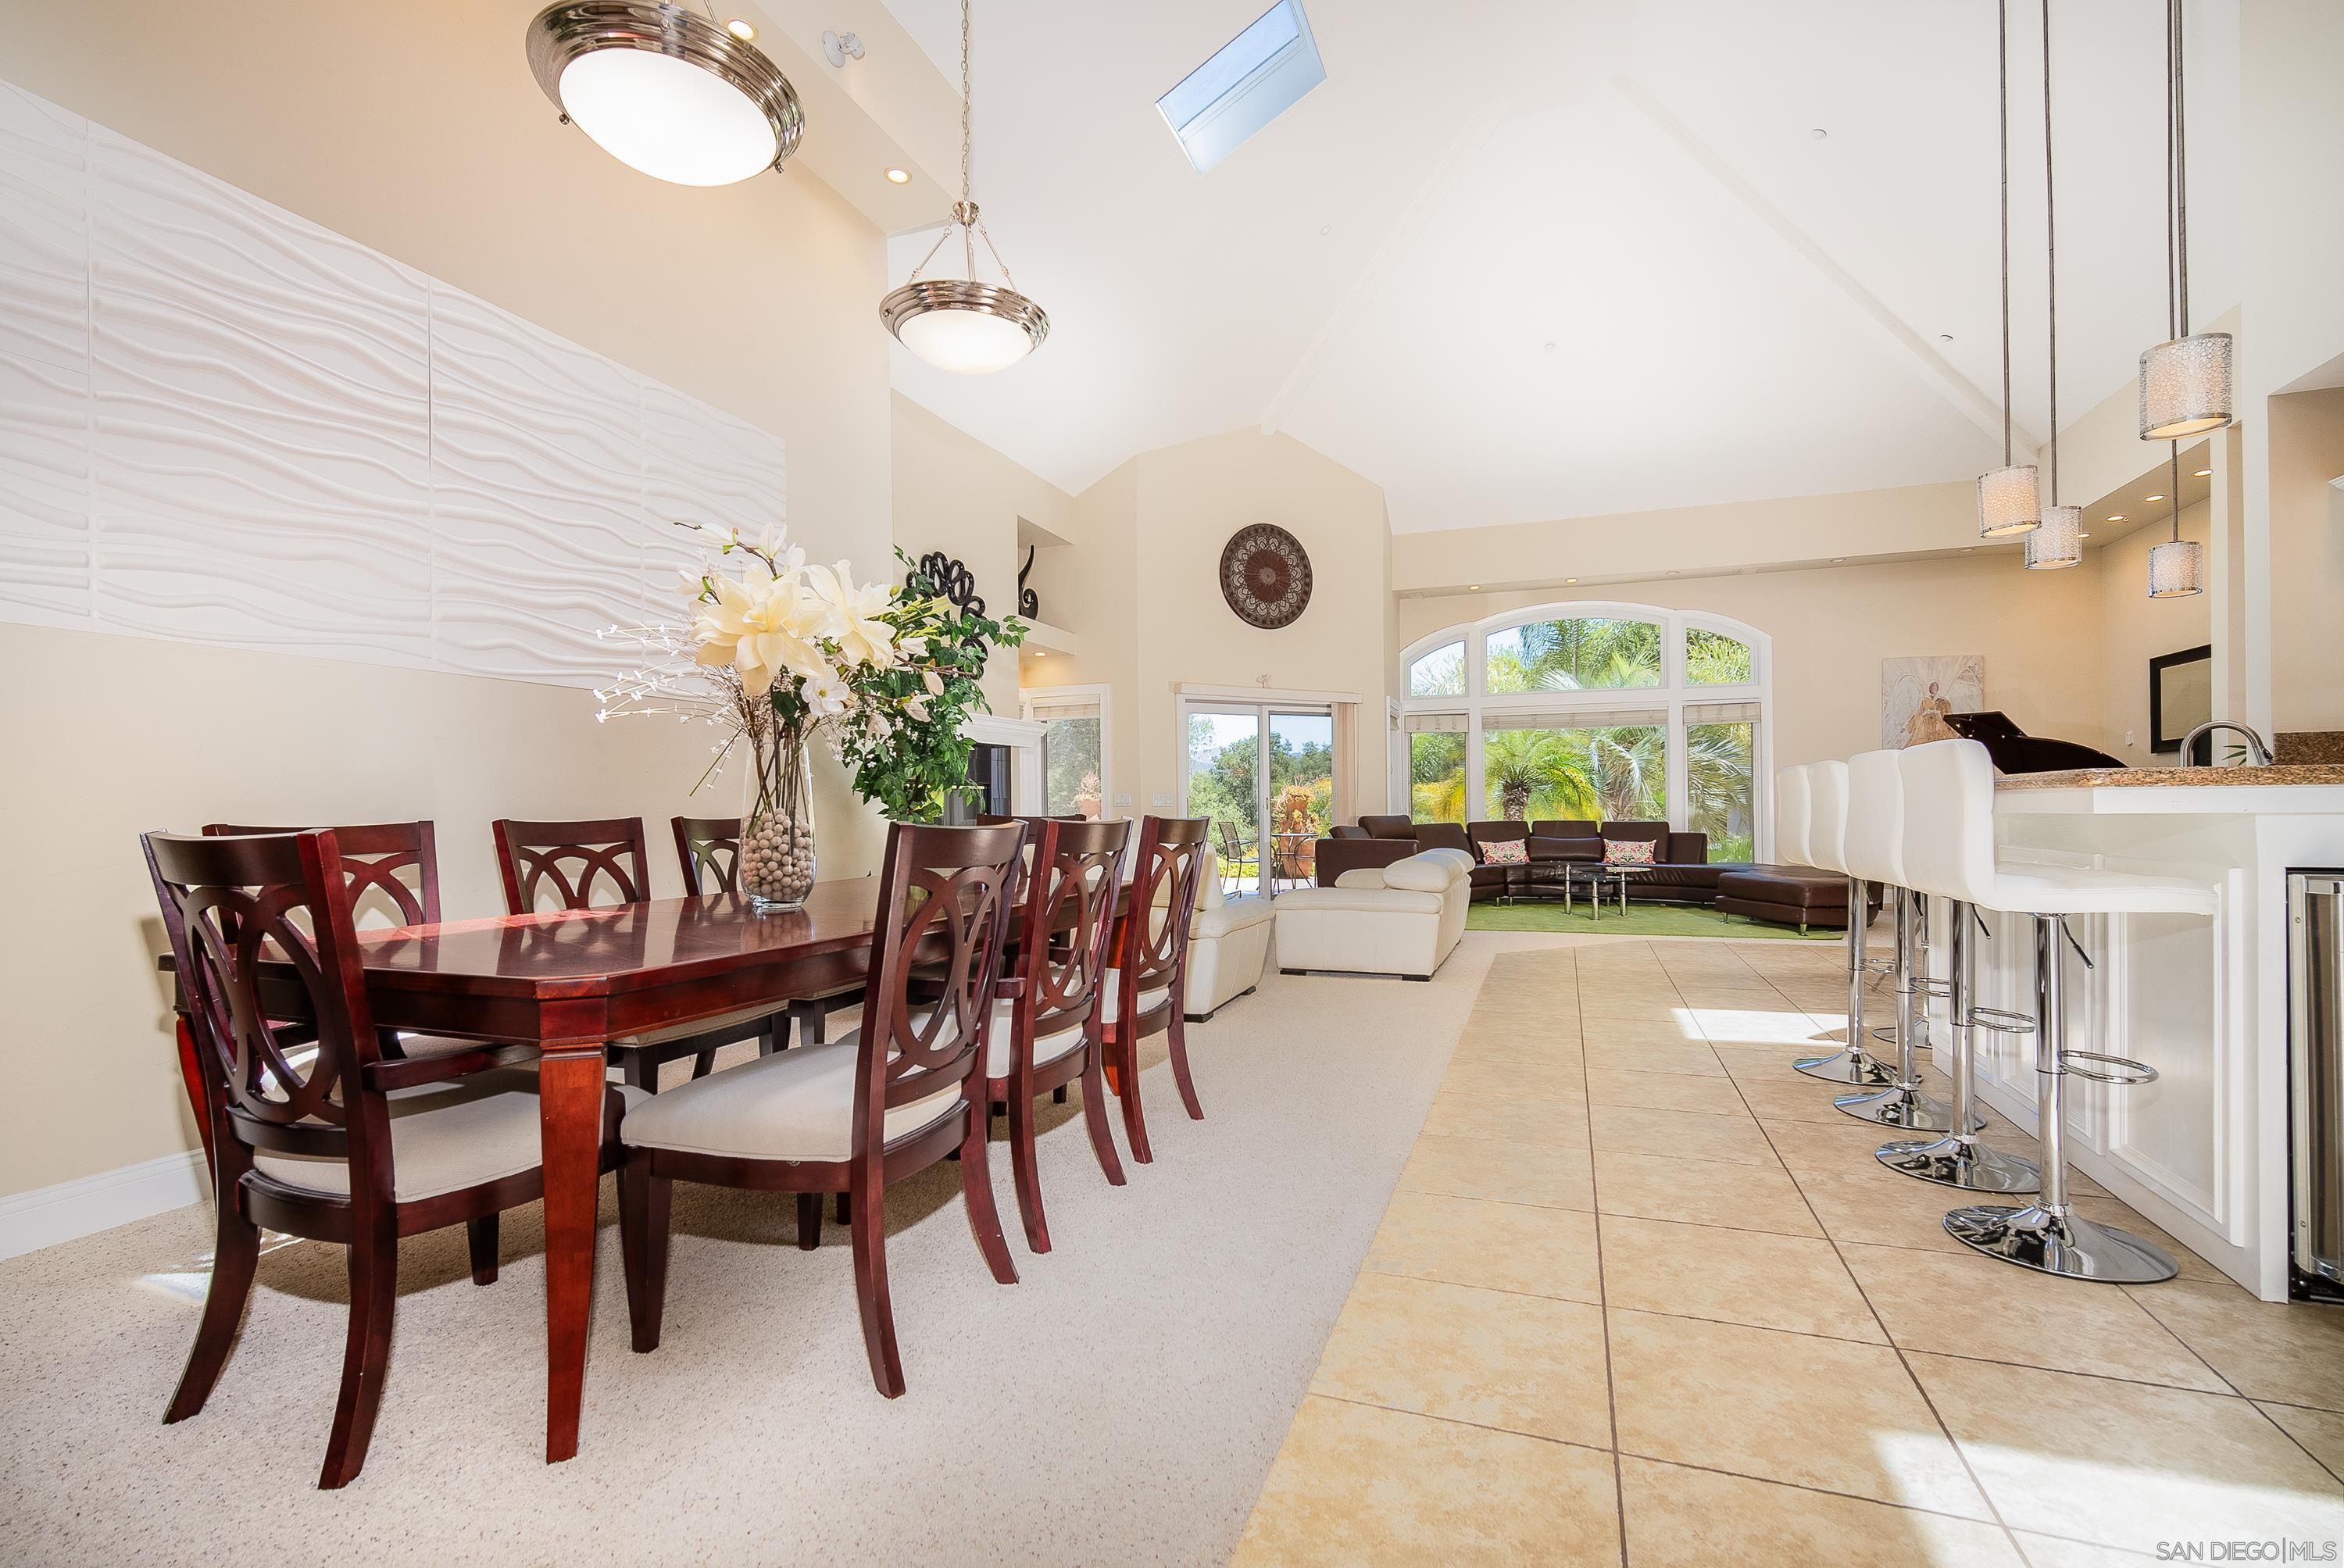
[[2315, 1045]]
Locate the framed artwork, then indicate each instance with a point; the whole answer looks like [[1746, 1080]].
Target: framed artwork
[[2181, 696], [1915, 695]]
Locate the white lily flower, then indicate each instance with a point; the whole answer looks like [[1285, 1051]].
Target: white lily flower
[[854, 613], [935, 683]]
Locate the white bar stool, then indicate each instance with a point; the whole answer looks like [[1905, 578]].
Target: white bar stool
[[1825, 791], [1949, 786], [1960, 1158], [1874, 846]]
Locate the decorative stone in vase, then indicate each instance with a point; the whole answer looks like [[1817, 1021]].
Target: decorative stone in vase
[[777, 852]]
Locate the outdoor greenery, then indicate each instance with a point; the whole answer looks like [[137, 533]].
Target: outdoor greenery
[[1576, 656], [1718, 779], [1221, 782], [908, 769], [1714, 659], [1436, 776], [1070, 757], [1439, 674]]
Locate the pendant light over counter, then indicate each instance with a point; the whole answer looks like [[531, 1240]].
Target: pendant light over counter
[[2185, 382], [960, 324], [2058, 541], [2009, 499], [665, 90], [2176, 568]]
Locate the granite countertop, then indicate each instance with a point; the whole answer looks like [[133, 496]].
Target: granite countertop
[[2151, 778]]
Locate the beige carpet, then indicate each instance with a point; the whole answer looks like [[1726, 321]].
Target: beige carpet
[[1121, 1404]]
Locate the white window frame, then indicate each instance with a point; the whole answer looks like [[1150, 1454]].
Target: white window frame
[[1029, 698], [1672, 695]]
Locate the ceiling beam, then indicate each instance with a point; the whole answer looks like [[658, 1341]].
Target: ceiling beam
[[1462, 149], [1916, 352]]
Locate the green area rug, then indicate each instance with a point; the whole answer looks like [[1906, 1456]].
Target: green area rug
[[1642, 920]]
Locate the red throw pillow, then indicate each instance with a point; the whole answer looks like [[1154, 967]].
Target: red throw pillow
[[1627, 851], [1505, 852]]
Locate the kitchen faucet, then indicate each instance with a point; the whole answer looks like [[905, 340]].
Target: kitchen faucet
[[2258, 753]]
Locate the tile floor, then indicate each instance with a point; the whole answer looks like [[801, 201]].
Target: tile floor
[[1642, 1295]]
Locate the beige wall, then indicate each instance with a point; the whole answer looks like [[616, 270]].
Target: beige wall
[[2306, 551], [428, 141], [955, 494], [1141, 591], [2135, 629], [1833, 627], [1813, 528]]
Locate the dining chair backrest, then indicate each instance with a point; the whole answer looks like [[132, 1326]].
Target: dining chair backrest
[[1876, 819], [576, 859], [230, 905], [708, 848], [1949, 819], [1067, 917], [375, 858], [1827, 814], [1794, 818], [926, 1016], [1155, 944]]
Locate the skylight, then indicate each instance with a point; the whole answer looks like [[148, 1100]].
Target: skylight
[[1254, 78]]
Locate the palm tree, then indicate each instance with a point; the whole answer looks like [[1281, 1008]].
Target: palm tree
[[1517, 765]]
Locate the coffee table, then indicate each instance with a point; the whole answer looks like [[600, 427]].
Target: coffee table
[[1591, 875]]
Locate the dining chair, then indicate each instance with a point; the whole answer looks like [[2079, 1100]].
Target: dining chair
[[708, 848], [573, 862], [1145, 990], [390, 868], [1047, 1021], [330, 1141], [901, 1092]]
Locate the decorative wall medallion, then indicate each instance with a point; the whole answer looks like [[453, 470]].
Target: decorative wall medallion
[[1265, 576]]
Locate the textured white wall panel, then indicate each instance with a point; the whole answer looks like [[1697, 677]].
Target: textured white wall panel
[[222, 423]]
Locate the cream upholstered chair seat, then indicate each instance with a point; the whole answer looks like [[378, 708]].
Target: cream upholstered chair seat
[[444, 1136], [796, 1105], [1111, 997]]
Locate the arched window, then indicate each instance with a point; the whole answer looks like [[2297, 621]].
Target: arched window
[[1595, 711]]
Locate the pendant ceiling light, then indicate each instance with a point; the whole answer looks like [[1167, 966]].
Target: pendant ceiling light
[[665, 90], [2009, 499], [2185, 382], [959, 324], [2176, 568], [2059, 539]]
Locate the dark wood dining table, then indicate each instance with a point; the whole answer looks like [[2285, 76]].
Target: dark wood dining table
[[567, 981]]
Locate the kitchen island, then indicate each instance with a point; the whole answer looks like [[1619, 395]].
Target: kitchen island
[[2204, 1150]]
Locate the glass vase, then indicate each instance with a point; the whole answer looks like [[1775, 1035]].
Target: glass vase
[[777, 858]]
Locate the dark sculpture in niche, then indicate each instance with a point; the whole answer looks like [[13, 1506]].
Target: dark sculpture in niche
[[1029, 603], [951, 581]]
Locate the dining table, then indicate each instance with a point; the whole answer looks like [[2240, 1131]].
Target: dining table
[[567, 981]]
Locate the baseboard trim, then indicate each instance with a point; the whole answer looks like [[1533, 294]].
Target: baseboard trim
[[72, 1209]]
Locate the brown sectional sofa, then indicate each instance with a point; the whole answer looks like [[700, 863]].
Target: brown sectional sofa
[[1683, 872]]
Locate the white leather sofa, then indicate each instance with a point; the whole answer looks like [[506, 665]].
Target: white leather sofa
[[1403, 919], [1229, 943]]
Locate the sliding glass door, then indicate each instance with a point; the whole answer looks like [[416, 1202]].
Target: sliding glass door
[[1265, 774]]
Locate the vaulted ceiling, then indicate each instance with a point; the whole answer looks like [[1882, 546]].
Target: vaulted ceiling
[[1519, 260]]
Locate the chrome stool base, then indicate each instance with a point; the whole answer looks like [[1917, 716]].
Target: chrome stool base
[[1909, 1109], [1962, 1162], [2059, 1241], [1848, 1067]]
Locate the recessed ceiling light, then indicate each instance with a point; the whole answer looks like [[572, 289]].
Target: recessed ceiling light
[[2156, 498], [1325, 228], [1819, 132], [2117, 517], [1944, 337], [1473, 588], [741, 30], [2203, 473], [899, 176], [1549, 347], [1570, 580], [2082, 535], [1839, 560], [1670, 574]]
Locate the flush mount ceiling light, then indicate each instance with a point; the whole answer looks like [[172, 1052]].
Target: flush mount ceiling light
[[2058, 541], [665, 90], [2009, 499], [2185, 382], [959, 324]]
